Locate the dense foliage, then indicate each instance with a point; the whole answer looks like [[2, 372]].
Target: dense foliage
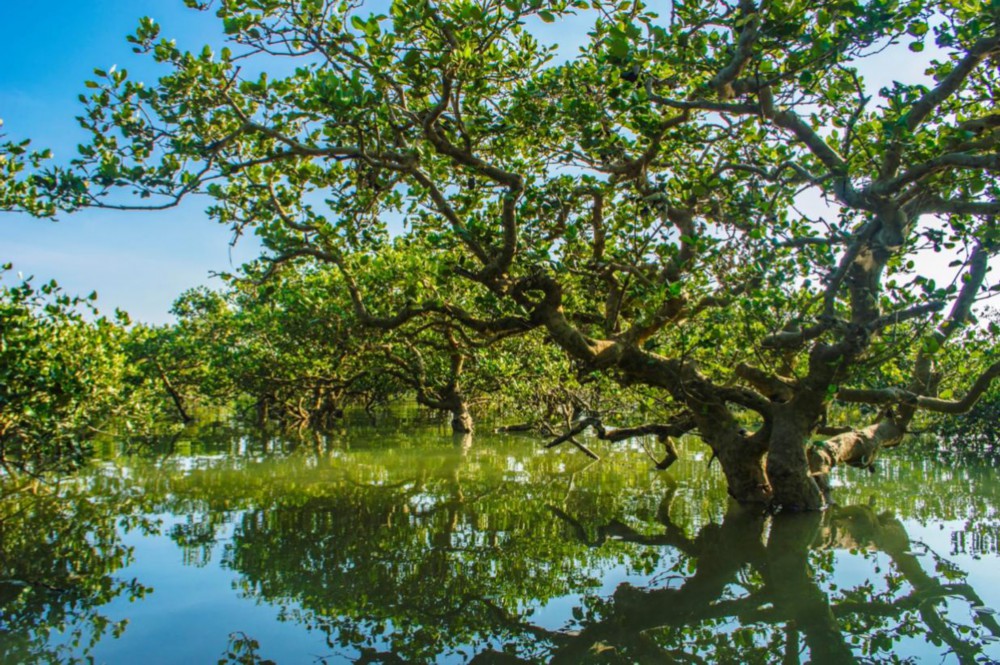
[[711, 205], [62, 376]]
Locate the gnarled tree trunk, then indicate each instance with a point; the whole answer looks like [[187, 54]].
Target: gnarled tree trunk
[[787, 465]]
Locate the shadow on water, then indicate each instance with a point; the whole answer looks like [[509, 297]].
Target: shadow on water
[[400, 548]]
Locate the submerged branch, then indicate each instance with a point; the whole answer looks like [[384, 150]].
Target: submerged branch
[[664, 433]]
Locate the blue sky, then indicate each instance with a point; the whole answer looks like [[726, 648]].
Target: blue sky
[[140, 261]]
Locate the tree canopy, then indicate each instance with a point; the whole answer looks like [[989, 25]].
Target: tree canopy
[[643, 203]]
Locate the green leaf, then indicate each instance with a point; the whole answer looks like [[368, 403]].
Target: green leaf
[[931, 345], [618, 46], [412, 58]]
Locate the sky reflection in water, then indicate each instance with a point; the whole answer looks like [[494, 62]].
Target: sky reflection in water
[[384, 546]]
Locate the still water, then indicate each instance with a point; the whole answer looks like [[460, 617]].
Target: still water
[[404, 545]]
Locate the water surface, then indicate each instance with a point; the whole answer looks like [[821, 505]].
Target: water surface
[[405, 545]]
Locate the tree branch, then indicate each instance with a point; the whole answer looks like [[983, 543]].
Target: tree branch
[[886, 396]]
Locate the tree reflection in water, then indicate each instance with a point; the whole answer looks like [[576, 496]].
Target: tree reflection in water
[[751, 593], [449, 565], [60, 549], [497, 554], [755, 595]]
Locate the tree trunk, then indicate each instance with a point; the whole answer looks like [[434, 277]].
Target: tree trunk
[[743, 466], [263, 410], [793, 486], [175, 396], [741, 457], [461, 419], [449, 399]]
